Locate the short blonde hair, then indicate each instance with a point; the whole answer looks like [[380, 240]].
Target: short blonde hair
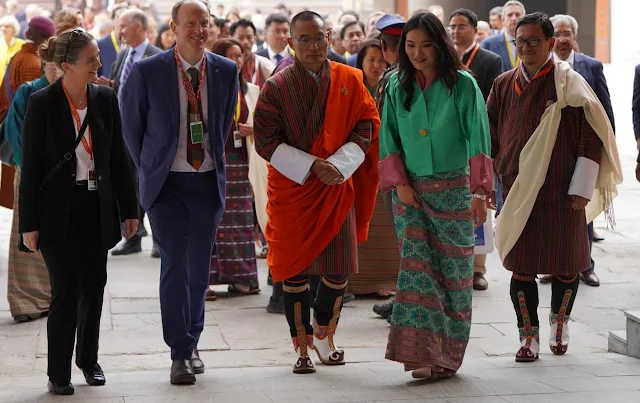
[[513, 3], [67, 18], [13, 22]]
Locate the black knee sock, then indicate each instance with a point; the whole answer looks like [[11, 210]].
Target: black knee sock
[[563, 295], [297, 307], [328, 303], [524, 295]]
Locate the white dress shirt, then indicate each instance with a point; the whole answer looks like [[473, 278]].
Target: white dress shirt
[[82, 157], [272, 54], [571, 59], [180, 164]]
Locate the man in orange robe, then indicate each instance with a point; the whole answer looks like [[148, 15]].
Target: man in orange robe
[[317, 125]]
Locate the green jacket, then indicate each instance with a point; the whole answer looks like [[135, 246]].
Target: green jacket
[[441, 132]]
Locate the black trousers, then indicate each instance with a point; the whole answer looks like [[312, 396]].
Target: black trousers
[[78, 275]]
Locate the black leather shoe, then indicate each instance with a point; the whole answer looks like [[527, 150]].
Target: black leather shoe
[[59, 389], [155, 252], [142, 231], [276, 305], [182, 373], [94, 376], [22, 318], [590, 278], [348, 297], [196, 363], [479, 282], [132, 245], [383, 310], [545, 278]]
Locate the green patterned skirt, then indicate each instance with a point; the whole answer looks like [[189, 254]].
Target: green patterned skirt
[[431, 317]]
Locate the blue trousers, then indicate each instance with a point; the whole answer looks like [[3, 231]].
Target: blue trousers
[[184, 219]]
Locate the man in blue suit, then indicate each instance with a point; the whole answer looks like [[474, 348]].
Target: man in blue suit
[[177, 109], [565, 32], [502, 44]]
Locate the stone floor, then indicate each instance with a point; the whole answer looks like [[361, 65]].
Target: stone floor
[[248, 353]]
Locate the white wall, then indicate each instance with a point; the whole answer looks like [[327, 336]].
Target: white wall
[[625, 47]]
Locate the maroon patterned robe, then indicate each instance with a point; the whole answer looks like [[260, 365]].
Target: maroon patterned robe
[[554, 240]]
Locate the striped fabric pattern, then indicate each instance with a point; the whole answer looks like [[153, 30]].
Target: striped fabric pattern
[[233, 259], [431, 319], [555, 230], [29, 289], [379, 256]]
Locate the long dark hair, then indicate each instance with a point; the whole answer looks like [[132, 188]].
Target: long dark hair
[[220, 47], [448, 62]]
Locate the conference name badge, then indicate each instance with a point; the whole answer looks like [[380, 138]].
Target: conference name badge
[[197, 132]]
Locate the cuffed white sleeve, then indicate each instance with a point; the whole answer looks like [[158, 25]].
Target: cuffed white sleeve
[[584, 178], [293, 163], [347, 159]]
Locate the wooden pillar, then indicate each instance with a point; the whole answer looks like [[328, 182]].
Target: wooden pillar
[[603, 31], [402, 8]]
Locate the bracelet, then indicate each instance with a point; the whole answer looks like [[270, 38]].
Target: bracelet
[[481, 197]]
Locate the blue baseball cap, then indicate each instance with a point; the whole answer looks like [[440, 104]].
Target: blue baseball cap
[[390, 23]]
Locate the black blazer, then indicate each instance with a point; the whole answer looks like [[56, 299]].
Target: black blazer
[[485, 67], [118, 65], [264, 52], [48, 133], [334, 57]]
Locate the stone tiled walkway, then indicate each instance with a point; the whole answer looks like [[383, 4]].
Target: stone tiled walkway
[[248, 352]]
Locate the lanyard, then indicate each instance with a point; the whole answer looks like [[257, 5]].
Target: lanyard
[[88, 145], [473, 54], [540, 73], [115, 42], [514, 61], [194, 97], [236, 117]]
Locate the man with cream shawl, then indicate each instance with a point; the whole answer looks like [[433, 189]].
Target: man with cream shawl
[[554, 147]]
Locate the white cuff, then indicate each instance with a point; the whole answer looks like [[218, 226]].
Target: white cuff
[[584, 178], [347, 159], [293, 163]]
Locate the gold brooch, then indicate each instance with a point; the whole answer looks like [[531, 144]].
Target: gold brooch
[[423, 132], [344, 91]]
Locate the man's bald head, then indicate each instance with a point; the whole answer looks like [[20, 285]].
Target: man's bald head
[[176, 8]]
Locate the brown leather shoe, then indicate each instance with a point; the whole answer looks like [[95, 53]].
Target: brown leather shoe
[[545, 278], [479, 282], [590, 278]]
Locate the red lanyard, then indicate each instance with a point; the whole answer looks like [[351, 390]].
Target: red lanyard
[[194, 97], [541, 73], [88, 145], [473, 54]]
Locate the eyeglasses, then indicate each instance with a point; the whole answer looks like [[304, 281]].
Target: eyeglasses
[[532, 42], [306, 42], [460, 28], [73, 37]]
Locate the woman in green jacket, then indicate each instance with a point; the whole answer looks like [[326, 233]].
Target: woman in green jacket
[[434, 148]]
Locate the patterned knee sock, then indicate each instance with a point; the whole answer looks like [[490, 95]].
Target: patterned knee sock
[[524, 295], [297, 307], [329, 301], [563, 294]]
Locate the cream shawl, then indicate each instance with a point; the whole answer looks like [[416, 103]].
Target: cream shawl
[[573, 91], [257, 165]]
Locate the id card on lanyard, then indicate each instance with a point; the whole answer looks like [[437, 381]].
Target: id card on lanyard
[[92, 180], [237, 138]]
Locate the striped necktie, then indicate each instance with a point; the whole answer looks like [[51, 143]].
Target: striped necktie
[[128, 67], [195, 152]]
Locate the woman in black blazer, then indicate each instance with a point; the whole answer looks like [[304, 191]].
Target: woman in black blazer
[[73, 196]]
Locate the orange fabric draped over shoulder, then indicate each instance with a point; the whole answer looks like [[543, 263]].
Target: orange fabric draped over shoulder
[[303, 219]]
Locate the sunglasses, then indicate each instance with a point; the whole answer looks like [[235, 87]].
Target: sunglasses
[[73, 37]]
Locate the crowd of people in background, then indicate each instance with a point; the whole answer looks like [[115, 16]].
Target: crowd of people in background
[[276, 148]]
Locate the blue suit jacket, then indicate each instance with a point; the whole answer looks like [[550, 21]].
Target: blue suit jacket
[[108, 55], [591, 70], [151, 118], [496, 45]]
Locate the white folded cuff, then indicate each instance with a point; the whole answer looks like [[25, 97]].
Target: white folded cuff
[[584, 178], [293, 163], [347, 159]]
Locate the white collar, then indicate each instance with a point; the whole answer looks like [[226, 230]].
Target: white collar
[[524, 71], [469, 49], [272, 53], [140, 49], [571, 59], [186, 66]]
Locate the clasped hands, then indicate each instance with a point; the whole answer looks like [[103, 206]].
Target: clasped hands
[[326, 172]]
